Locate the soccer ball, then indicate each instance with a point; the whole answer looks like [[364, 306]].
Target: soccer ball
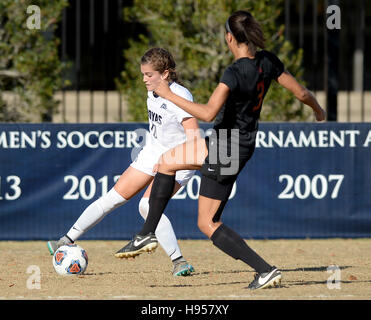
[[70, 259]]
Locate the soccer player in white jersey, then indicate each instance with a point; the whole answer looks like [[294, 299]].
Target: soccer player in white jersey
[[168, 126]]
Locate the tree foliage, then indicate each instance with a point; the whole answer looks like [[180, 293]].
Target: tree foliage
[[30, 68], [193, 31]]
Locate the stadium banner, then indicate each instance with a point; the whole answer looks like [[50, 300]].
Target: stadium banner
[[305, 180]]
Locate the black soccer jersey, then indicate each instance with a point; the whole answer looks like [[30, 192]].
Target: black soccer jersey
[[248, 81]]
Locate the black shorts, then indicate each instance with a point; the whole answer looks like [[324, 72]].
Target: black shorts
[[217, 179]]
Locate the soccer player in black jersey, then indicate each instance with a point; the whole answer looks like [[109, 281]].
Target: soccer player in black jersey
[[235, 104]]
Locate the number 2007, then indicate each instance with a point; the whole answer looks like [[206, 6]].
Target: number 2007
[[303, 186]]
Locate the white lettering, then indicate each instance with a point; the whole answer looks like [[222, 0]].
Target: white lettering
[[169, 311], [14, 139], [291, 140], [3, 140], [87, 139], [62, 142], [309, 141], [365, 144], [137, 138], [273, 138], [120, 140], [260, 140], [322, 139], [101, 139], [25, 139], [340, 140], [96, 139], [72, 142], [313, 139], [45, 137], [352, 133]]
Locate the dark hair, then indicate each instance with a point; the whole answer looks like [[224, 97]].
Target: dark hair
[[161, 60], [243, 26]]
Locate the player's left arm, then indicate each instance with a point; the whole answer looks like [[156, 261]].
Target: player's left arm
[[301, 93]]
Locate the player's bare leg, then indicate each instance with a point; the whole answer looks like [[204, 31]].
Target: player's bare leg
[[187, 156], [232, 244]]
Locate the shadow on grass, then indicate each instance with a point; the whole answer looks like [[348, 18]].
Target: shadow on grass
[[319, 269], [284, 284]]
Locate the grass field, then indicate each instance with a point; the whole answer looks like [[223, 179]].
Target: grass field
[[26, 272]]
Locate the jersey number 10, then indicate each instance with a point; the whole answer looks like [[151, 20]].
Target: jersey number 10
[[154, 130]]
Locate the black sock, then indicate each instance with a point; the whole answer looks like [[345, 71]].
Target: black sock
[[232, 244], [162, 190]]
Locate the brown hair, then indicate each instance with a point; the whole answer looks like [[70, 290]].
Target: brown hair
[[245, 29], [161, 60]]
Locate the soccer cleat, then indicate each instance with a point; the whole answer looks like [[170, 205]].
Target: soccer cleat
[[138, 245], [54, 245], [182, 268], [271, 278]]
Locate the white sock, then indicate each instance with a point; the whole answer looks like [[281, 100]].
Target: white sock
[[164, 231], [95, 212]]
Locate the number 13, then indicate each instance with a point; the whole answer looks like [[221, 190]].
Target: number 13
[[16, 181]]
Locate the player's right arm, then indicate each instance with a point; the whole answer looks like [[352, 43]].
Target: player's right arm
[[302, 94], [204, 112]]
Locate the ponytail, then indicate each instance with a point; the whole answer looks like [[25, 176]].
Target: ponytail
[[243, 26]]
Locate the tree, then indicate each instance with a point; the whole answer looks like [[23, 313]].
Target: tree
[[193, 31], [30, 68]]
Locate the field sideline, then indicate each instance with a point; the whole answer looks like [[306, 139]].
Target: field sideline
[[26, 272]]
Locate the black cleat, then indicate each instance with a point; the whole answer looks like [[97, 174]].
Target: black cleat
[[271, 278], [138, 245]]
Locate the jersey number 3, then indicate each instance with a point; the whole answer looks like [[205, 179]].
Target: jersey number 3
[[260, 89]]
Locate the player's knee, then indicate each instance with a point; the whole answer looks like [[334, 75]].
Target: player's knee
[[204, 225], [110, 201], [143, 207], [166, 163], [207, 226]]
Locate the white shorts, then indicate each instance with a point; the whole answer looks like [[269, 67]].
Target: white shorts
[[149, 156]]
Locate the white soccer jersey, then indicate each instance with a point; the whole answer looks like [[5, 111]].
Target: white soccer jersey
[[166, 131], [165, 118]]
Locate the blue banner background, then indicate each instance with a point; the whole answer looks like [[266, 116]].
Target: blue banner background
[[304, 180]]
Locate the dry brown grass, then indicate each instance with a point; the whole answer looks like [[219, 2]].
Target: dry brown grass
[[303, 263]]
